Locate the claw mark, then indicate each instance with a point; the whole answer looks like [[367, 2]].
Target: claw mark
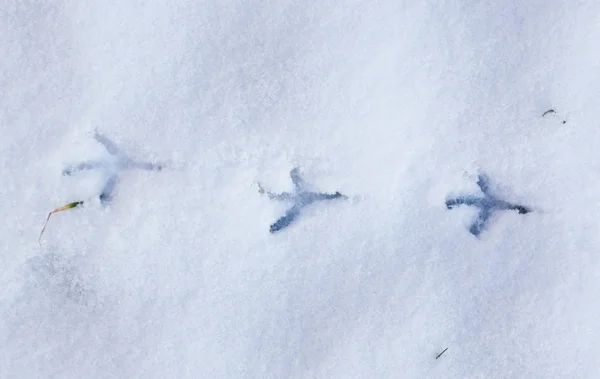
[[112, 170], [300, 197], [106, 194], [69, 170], [486, 204], [123, 162], [109, 145]]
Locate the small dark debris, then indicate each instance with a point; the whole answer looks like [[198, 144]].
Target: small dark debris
[[440, 354]]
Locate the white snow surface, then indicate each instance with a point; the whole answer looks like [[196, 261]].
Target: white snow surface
[[397, 104]]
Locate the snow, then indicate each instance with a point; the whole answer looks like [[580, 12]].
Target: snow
[[398, 105]]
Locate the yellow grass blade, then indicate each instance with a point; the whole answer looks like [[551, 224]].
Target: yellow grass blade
[[63, 208]]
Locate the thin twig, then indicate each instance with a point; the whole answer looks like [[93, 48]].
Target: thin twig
[[440, 354]]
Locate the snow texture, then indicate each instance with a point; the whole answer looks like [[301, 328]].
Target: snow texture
[[399, 105]]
